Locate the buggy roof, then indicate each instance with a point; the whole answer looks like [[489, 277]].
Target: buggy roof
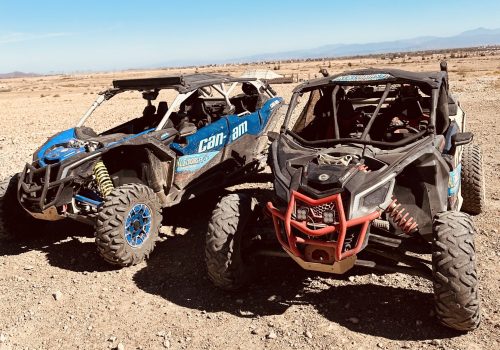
[[370, 76], [181, 83]]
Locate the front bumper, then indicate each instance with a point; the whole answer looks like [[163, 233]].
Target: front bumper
[[300, 241], [38, 188]]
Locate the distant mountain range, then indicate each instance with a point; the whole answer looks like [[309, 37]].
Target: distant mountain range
[[17, 75], [470, 38]]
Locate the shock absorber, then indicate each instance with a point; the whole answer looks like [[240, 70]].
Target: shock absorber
[[103, 179], [405, 222]]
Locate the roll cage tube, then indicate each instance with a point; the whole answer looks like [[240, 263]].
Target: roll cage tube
[[108, 94], [175, 103], [435, 98], [335, 110], [372, 119], [363, 140], [98, 101], [293, 104]]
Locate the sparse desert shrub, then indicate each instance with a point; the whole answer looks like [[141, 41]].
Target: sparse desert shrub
[[56, 95], [42, 95], [349, 64], [5, 89]]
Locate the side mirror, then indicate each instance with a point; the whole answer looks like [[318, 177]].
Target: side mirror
[[272, 135], [187, 129], [462, 138]]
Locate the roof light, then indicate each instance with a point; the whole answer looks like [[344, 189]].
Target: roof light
[[362, 77]]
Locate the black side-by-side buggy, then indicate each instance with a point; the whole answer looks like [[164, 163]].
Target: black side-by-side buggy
[[371, 168]]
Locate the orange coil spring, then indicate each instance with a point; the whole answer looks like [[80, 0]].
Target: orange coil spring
[[403, 220]]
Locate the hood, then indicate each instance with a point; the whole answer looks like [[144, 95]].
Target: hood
[[58, 148]]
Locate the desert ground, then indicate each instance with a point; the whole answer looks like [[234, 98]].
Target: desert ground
[[57, 293]]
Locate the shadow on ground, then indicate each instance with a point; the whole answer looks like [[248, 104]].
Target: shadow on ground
[[69, 244], [176, 272]]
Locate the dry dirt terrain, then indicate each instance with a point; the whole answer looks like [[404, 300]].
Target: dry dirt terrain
[[57, 293]]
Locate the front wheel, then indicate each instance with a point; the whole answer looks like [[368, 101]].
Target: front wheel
[[228, 239], [128, 225], [454, 270]]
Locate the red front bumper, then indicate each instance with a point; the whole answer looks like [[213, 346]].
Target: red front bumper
[[291, 241]]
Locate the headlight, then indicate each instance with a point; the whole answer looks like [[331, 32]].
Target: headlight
[[373, 198], [301, 213], [328, 217]]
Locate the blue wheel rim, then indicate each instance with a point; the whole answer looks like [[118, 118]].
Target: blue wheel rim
[[138, 225]]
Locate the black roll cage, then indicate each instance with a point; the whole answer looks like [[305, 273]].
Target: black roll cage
[[429, 82], [363, 140]]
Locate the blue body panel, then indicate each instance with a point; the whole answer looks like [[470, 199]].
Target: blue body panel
[[454, 181], [193, 141], [54, 150], [200, 148], [215, 136], [61, 138], [129, 138], [60, 153]]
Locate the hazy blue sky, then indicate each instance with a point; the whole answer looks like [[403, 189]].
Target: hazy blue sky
[[53, 35]]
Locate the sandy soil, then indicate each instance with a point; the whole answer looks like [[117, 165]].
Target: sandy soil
[[167, 302]]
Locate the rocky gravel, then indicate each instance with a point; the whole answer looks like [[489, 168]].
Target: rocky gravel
[[57, 293]]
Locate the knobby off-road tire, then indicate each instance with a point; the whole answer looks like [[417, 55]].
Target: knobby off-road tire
[[14, 219], [120, 242], [454, 270], [229, 232], [473, 188]]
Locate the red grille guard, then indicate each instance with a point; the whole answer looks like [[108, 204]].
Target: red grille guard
[[340, 227]]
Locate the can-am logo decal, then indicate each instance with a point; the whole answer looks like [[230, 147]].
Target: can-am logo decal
[[239, 130], [362, 77], [211, 142], [218, 139], [323, 177], [193, 162]]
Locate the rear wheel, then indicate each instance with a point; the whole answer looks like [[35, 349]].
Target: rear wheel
[[128, 225], [228, 240], [454, 270], [13, 218], [473, 191]]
